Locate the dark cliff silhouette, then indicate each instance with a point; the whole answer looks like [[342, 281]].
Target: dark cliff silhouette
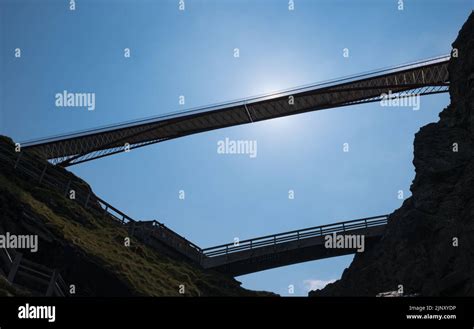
[[428, 247], [84, 244]]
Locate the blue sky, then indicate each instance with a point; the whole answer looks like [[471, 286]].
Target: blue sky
[[190, 53]]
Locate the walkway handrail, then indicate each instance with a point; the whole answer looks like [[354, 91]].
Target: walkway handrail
[[107, 207], [176, 235], [240, 101], [63, 185], [38, 272], [85, 197], [60, 180], [296, 235]]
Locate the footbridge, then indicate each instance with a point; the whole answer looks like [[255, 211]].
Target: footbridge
[[419, 78], [270, 251], [244, 257], [291, 247]]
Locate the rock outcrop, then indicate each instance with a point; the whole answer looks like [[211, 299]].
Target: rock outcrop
[[87, 247], [428, 247]]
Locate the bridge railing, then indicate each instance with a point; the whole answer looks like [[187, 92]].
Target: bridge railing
[[49, 175], [15, 266], [164, 233], [242, 101], [296, 235], [53, 177]]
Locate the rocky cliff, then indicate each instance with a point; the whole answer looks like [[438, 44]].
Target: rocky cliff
[[428, 247], [87, 247]]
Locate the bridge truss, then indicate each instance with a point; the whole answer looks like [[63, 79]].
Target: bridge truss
[[419, 78]]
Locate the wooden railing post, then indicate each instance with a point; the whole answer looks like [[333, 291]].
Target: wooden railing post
[[17, 160], [87, 200], [132, 229], [42, 173], [52, 283], [15, 266], [106, 209]]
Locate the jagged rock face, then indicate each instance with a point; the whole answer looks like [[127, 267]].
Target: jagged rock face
[[87, 247], [418, 249]]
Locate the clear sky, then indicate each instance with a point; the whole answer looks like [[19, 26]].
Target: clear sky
[[191, 53]]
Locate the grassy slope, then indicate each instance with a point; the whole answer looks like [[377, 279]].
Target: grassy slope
[[143, 269]]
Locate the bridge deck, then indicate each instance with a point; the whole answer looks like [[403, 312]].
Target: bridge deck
[[288, 248], [248, 256], [422, 78]]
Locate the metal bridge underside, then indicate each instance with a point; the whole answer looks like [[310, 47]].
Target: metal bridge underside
[[424, 79], [294, 252], [292, 247]]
